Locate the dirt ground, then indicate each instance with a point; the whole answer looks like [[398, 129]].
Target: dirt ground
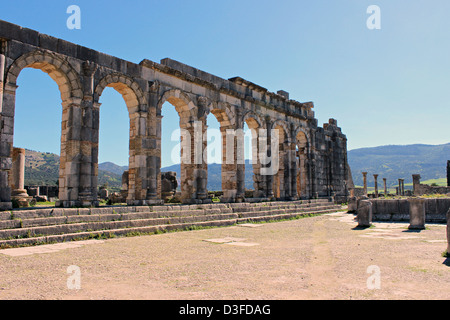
[[322, 257]]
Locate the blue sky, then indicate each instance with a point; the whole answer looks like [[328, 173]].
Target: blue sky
[[388, 86]]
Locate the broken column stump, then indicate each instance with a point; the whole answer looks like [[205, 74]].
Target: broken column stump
[[417, 214], [364, 216]]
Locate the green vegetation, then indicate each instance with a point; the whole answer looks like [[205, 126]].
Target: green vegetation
[[400, 162], [42, 169]]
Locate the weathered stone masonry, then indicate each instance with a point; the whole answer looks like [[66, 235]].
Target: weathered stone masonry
[[313, 159]]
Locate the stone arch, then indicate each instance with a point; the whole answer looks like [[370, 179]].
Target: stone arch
[[137, 106], [283, 127], [70, 87], [253, 120], [187, 112], [180, 100], [130, 90], [57, 68], [222, 112]]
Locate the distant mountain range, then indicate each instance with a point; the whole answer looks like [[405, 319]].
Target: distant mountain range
[[399, 162], [391, 162]]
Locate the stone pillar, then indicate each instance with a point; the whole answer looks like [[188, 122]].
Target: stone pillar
[[399, 187], [2, 70], [352, 204], [271, 154], [416, 214], [124, 190], [416, 183], [365, 182], [6, 138], [153, 143], [229, 164], [375, 176], [448, 173], [18, 174], [385, 187], [88, 176], [403, 187], [364, 213], [240, 157], [448, 233], [201, 165]]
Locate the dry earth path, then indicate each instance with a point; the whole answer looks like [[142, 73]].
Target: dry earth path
[[322, 257]]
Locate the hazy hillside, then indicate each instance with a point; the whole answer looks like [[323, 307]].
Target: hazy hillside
[[112, 167], [391, 162], [42, 168], [399, 162], [215, 175]]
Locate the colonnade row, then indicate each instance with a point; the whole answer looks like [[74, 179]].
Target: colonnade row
[[310, 161]]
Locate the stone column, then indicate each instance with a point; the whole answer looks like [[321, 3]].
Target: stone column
[[153, 143], [2, 70], [229, 164], [18, 174], [365, 182], [375, 176], [416, 183], [187, 175], [6, 139], [399, 187], [448, 173], [448, 233], [416, 214], [364, 213], [270, 153], [201, 165], [88, 177], [385, 187], [240, 157], [403, 187]]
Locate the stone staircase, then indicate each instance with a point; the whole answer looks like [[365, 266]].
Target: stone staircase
[[52, 225]]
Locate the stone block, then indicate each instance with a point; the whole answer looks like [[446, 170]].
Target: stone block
[[448, 231], [364, 214], [352, 204], [417, 214]]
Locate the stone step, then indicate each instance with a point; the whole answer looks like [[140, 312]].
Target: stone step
[[117, 232], [282, 216], [55, 225], [83, 227], [46, 217], [288, 211], [73, 219]]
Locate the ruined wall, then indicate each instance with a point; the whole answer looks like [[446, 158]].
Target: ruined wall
[[314, 159], [398, 209], [423, 189]]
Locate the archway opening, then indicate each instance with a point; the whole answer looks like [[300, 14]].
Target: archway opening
[[214, 156], [253, 181], [301, 159], [37, 129], [170, 154], [113, 148]]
